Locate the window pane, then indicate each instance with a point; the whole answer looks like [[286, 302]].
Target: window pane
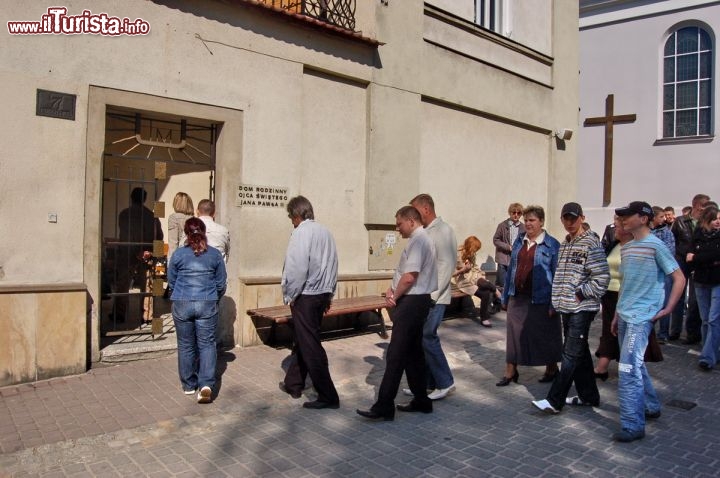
[[670, 45], [687, 67], [668, 97], [705, 43], [704, 121], [687, 40], [706, 65], [705, 93], [687, 95], [668, 125], [686, 123], [669, 74]]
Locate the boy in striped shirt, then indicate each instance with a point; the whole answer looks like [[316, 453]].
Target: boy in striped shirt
[[645, 261]]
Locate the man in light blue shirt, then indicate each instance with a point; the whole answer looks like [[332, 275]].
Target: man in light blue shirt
[[645, 261], [308, 284]]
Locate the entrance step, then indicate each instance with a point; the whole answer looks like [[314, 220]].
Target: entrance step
[[140, 344]]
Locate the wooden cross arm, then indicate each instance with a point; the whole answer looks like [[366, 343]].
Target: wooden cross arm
[[614, 119]]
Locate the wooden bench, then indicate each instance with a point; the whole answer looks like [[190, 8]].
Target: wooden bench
[[281, 314]]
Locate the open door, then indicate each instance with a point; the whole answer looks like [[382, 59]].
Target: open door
[[149, 157]]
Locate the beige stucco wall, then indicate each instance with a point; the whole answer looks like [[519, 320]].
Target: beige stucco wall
[[452, 148], [44, 333], [359, 130]]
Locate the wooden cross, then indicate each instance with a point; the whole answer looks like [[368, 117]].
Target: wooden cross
[[609, 120]]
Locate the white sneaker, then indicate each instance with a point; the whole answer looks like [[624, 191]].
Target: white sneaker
[[440, 393], [545, 406], [409, 393], [189, 392], [204, 395]]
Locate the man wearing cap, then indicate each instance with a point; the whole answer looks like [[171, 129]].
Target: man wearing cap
[[644, 263], [581, 279]]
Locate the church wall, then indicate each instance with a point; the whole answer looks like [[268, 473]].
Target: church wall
[[625, 59], [358, 130]]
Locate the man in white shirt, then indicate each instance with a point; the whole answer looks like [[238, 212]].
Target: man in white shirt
[[440, 378], [414, 280], [218, 236]]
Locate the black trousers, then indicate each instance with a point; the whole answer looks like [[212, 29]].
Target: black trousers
[[577, 364], [309, 356], [405, 354]]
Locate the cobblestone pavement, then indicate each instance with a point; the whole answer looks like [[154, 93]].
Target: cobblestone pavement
[[132, 419]]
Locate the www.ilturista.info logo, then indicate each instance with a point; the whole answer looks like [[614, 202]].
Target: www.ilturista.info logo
[[58, 22]]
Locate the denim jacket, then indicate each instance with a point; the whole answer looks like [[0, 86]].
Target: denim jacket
[[192, 277], [546, 256]]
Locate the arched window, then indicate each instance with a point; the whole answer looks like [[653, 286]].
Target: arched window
[[687, 83]]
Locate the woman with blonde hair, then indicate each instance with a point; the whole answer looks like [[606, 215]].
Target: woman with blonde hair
[[184, 210], [470, 279]]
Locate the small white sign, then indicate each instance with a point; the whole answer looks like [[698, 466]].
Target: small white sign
[[390, 239], [261, 196]]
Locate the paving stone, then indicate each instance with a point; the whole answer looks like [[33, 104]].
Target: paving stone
[[134, 421]]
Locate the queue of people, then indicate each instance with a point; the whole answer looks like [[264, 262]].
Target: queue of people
[[551, 290]]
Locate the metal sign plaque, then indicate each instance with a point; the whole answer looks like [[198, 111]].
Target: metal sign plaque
[[55, 105]]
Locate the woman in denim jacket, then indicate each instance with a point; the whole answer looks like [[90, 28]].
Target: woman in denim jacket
[[534, 335], [197, 278]]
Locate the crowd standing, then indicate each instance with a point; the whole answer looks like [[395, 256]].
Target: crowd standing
[[649, 267]]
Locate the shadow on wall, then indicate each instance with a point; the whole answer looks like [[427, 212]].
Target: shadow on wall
[[226, 322], [251, 19]]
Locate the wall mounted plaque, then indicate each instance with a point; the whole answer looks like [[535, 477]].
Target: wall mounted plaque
[[55, 105]]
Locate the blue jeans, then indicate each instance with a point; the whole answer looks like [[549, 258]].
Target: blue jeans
[[439, 375], [708, 299], [195, 323], [636, 393]]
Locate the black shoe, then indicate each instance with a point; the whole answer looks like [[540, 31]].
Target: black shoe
[[284, 388], [373, 415], [602, 376], [506, 381], [674, 337], [691, 340], [413, 407], [652, 415], [317, 405], [547, 378]]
